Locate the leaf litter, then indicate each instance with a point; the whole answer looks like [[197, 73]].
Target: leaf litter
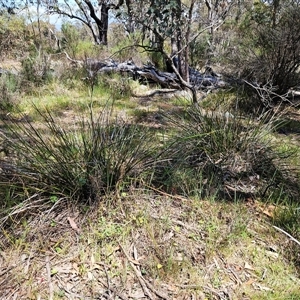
[[183, 249]]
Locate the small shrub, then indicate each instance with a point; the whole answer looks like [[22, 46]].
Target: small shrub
[[272, 64], [123, 46], [8, 86], [14, 38], [35, 71], [77, 43], [198, 49]]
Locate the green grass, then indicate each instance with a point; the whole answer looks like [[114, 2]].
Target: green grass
[[223, 100], [57, 97]]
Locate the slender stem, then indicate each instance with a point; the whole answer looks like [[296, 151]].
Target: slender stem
[[287, 234]]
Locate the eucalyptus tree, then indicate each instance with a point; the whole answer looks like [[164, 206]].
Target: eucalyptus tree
[[172, 25], [167, 24], [217, 12], [7, 6], [93, 14]]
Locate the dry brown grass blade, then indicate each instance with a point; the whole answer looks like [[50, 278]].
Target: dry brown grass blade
[[73, 225], [112, 289]]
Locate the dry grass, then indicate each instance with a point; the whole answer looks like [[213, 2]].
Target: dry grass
[[151, 246], [11, 65]]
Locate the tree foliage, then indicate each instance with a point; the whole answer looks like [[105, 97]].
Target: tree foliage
[[93, 14], [14, 35], [274, 60]]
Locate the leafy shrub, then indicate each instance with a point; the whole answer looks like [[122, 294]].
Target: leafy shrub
[[281, 52], [8, 86], [198, 51], [274, 61], [13, 36], [75, 42], [123, 46], [80, 163], [35, 71]]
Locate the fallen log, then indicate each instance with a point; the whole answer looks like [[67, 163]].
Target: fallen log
[[163, 81], [149, 74]]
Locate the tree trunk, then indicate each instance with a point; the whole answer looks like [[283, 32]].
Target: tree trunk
[[130, 23], [104, 22], [174, 56], [275, 11], [210, 17], [186, 51], [182, 62]]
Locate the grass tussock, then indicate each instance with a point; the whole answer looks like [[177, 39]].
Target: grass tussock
[[80, 163], [197, 153], [211, 153]]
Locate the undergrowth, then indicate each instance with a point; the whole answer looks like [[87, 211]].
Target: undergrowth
[[137, 176], [202, 154], [220, 154], [80, 163]]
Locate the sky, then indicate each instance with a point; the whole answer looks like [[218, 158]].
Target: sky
[[31, 14]]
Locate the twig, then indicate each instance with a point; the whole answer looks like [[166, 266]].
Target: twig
[[7, 270], [54, 205], [152, 288], [237, 279], [182, 224], [49, 277], [216, 293], [9, 296], [25, 205], [287, 234], [107, 278], [138, 275], [190, 286], [120, 295], [73, 60], [61, 285], [264, 275], [144, 283], [268, 90], [167, 194]]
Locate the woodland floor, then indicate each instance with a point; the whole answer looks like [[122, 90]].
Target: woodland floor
[[149, 246], [146, 244]]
